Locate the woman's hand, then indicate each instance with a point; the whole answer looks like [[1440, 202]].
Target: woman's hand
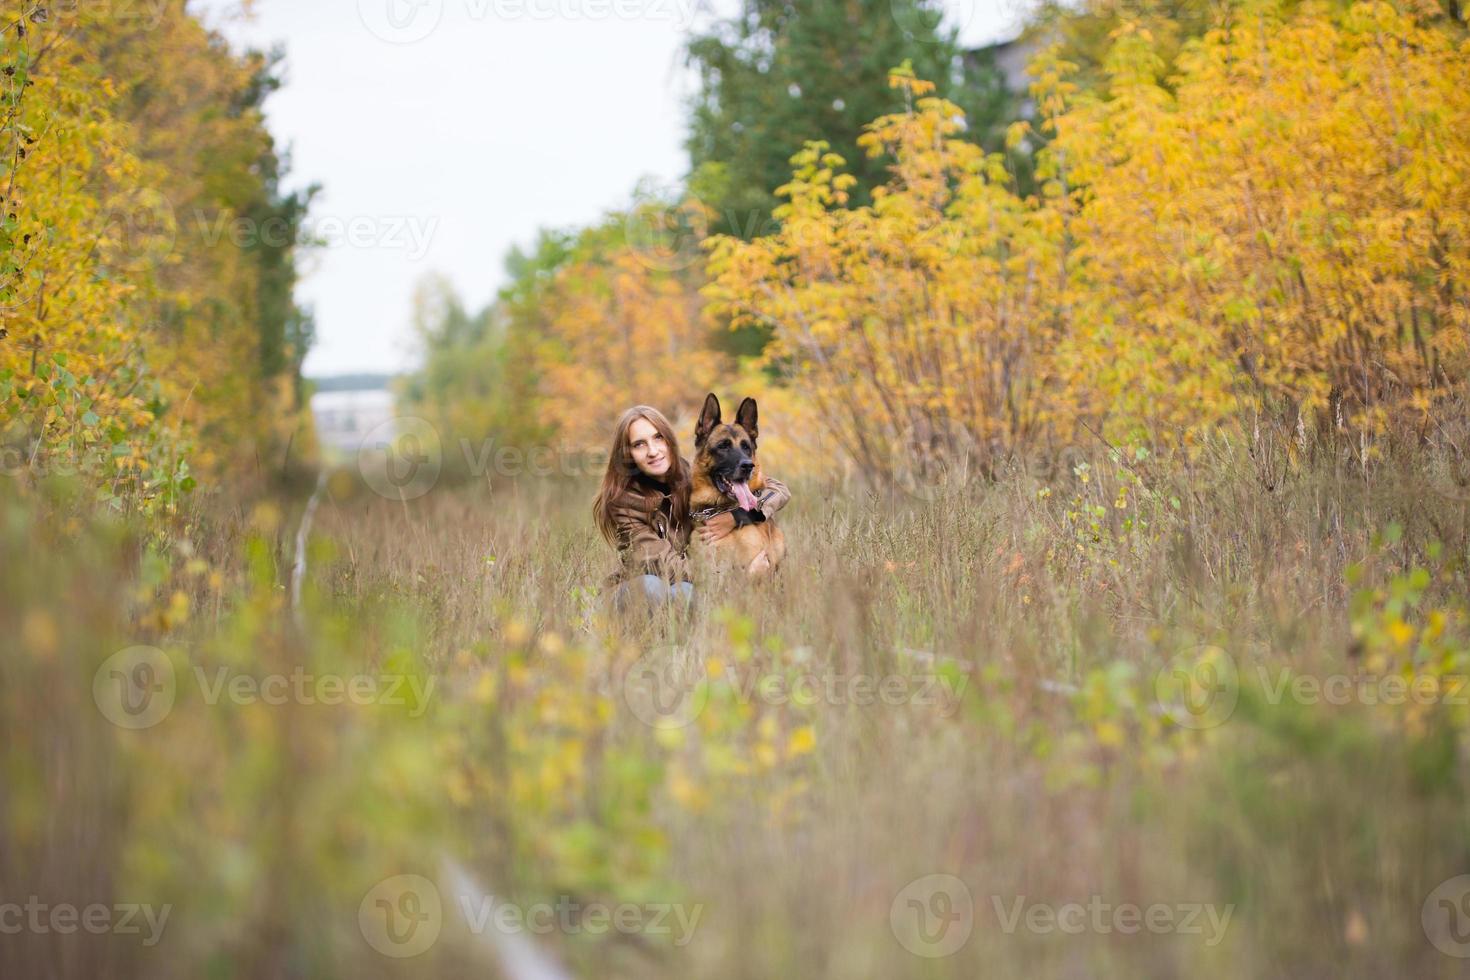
[[717, 528], [720, 526]]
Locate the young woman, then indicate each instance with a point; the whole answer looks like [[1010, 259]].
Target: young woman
[[642, 510]]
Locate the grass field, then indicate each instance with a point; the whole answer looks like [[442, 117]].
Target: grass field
[[1112, 720], [1125, 626]]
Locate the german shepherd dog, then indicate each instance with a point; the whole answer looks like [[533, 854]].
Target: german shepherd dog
[[727, 476]]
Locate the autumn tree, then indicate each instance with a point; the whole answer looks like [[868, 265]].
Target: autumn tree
[[917, 323], [137, 336], [774, 75], [1284, 231], [1278, 234], [591, 322]]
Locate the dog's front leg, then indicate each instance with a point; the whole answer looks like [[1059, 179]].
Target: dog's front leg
[[760, 565]]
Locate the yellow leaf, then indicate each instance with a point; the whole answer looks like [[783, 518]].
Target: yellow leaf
[[802, 741]]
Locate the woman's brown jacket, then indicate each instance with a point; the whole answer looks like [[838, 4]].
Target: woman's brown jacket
[[650, 543]]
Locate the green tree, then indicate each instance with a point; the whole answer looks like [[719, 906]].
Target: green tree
[[778, 74]]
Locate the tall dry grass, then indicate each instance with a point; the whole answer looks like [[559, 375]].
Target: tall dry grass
[[1032, 756], [1058, 597]]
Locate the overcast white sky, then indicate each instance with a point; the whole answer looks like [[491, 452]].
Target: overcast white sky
[[445, 131]]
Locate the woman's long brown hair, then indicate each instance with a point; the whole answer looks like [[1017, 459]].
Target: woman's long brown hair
[[622, 472]]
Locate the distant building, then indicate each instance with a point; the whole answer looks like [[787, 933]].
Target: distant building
[[344, 419], [1011, 58]]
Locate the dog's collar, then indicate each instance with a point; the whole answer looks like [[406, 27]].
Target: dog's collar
[[701, 516]]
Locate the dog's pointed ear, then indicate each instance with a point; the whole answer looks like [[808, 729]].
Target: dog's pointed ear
[[747, 418], [708, 419]]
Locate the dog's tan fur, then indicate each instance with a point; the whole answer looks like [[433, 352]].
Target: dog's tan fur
[[758, 549]]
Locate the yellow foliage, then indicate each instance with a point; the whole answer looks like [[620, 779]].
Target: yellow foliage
[[618, 333], [1289, 228], [1284, 230], [130, 323]]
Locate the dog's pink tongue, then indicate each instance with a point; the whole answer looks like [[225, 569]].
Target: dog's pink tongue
[[743, 496]]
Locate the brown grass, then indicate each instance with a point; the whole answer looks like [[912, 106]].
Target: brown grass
[[1057, 777]]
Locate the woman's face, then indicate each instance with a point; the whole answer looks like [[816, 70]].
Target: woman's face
[[649, 448], [650, 451]]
